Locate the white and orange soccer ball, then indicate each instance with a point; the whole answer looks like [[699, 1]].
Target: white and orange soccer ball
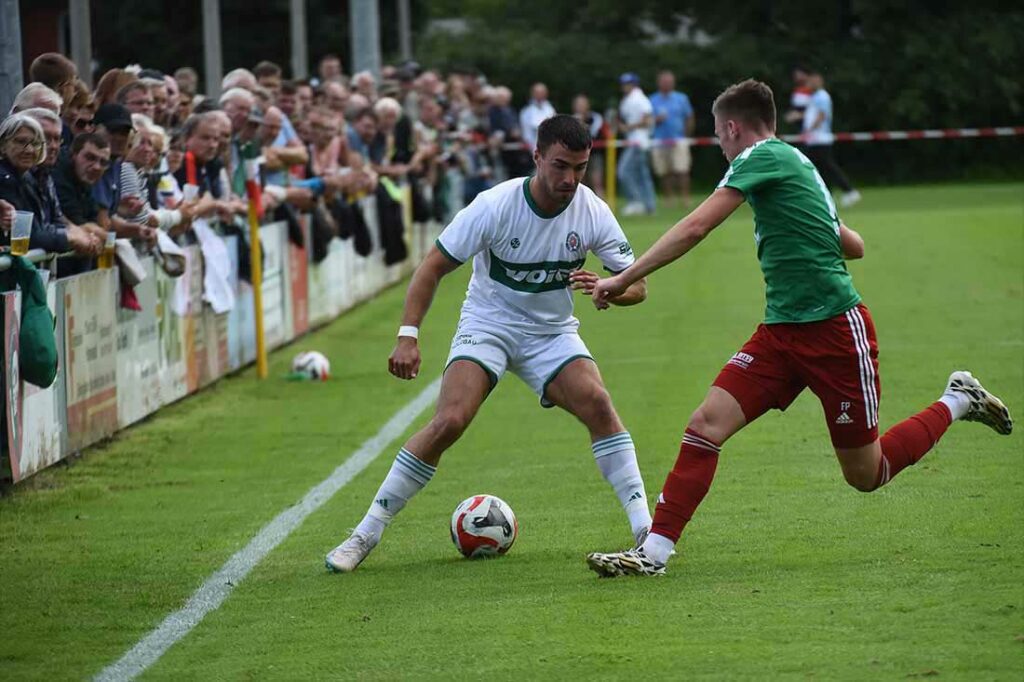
[[483, 526], [312, 365]]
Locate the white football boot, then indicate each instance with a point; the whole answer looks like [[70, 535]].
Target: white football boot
[[850, 198], [984, 407], [630, 562], [348, 555], [633, 208]]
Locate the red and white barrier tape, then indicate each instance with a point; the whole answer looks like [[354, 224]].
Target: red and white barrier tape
[[874, 136]]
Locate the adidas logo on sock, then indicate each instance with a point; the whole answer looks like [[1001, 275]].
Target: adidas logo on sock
[[635, 496], [844, 419], [382, 502]]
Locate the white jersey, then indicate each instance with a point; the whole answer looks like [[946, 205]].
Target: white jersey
[[522, 258]]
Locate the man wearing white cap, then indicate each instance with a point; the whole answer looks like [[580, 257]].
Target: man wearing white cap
[[636, 116]]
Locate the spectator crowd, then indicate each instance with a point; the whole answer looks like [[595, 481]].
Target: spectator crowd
[[146, 157]]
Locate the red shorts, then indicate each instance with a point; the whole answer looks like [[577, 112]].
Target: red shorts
[[836, 358]]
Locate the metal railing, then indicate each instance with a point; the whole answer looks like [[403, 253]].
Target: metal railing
[[33, 256]]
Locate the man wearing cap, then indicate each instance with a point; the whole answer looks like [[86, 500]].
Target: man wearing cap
[[115, 121], [636, 116]]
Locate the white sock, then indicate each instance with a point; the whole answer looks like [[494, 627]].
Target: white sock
[[957, 402], [407, 477], [616, 458], [658, 548]]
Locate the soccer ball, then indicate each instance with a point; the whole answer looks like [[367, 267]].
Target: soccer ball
[[312, 365], [484, 526]]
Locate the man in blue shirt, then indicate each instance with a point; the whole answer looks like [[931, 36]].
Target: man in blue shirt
[[674, 121], [817, 134]]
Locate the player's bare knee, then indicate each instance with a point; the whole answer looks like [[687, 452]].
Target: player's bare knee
[[601, 403], [702, 421], [449, 425], [599, 414], [860, 480]]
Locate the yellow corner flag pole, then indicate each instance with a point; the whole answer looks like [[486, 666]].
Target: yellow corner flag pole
[[609, 168], [252, 190]]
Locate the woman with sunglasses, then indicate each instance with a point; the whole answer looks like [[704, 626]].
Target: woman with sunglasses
[[79, 110]]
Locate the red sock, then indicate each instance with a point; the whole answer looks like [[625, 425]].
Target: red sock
[[686, 485], [908, 441]]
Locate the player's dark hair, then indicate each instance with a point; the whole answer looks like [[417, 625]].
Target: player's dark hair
[[750, 101], [565, 129]]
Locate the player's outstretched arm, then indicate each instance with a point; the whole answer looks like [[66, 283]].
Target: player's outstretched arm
[[584, 282], [851, 243], [682, 237], [404, 362]]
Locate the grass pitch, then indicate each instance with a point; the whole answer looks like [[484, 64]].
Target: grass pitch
[[784, 572]]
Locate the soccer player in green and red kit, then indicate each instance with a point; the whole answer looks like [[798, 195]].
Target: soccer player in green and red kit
[[816, 333]]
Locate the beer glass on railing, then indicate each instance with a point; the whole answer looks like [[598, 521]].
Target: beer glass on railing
[[106, 259], [21, 232]]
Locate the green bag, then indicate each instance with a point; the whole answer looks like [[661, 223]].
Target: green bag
[[37, 342]]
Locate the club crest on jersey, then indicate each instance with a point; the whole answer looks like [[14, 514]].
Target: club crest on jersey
[[573, 241], [515, 243]]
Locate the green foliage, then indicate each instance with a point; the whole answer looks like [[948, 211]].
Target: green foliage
[[785, 572]]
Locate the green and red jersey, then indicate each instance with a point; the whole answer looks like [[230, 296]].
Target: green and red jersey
[[796, 230]]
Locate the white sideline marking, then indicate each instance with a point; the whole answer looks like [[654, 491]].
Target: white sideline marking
[[212, 593]]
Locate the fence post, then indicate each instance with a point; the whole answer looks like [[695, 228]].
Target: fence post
[[252, 190]]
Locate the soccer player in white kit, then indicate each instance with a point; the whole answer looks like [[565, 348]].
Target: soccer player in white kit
[[528, 239]]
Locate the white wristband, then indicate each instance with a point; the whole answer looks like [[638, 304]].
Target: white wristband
[[407, 330]]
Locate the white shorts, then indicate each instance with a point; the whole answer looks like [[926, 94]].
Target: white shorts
[[535, 358]]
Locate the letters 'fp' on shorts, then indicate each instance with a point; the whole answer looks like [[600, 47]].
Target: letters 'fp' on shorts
[[836, 358]]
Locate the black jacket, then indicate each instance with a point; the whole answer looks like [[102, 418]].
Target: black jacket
[[76, 198], [24, 193], [52, 235]]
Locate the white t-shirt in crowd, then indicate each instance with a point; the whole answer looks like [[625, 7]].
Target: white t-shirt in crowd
[[632, 110], [530, 118], [522, 259]]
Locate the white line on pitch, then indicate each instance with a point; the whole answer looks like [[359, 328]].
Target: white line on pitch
[[212, 593]]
